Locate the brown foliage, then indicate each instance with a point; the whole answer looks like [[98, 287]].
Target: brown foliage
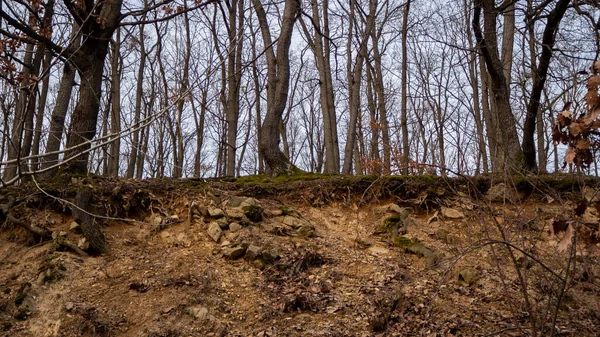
[[581, 133]]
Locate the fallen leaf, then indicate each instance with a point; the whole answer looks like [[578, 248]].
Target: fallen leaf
[[566, 240]]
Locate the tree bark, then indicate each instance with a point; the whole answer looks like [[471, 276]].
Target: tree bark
[[354, 83], [404, 95], [278, 76], [539, 81], [487, 41], [59, 113]]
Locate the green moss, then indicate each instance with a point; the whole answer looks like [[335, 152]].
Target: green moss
[[20, 298], [253, 212], [417, 248]]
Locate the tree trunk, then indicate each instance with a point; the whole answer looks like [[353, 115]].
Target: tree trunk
[[139, 91], [404, 79], [41, 109], [487, 41], [539, 80], [115, 111], [354, 82], [278, 76], [59, 113]]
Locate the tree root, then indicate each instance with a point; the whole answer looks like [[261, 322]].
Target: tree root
[[41, 233]]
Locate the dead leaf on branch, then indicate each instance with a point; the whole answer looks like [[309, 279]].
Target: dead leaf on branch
[[570, 155], [566, 239]]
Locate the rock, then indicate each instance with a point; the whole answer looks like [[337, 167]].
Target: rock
[[501, 193], [233, 252], [306, 231], [253, 252], [223, 223], [395, 225], [417, 248], [235, 227], [268, 256], [166, 238], [468, 275], [75, 228], [198, 312], [451, 213], [399, 210], [276, 212], [69, 306], [83, 244], [292, 221], [203, 210], [253, 212], [156, 221], [235, 213], [216, 213], [214, 231], [183, 240], [174, 218]]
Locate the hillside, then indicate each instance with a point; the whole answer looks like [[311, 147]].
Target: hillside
[[308, 256]]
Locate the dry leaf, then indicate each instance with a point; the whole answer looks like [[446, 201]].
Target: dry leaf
[[582, 144], [575, 129], [570, 155], [566, 240]]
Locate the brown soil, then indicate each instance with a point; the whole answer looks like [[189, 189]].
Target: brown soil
[[164, 276]]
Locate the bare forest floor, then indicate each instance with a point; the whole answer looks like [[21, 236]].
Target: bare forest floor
[[313, 256]]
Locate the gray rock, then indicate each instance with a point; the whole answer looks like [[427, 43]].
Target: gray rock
[[223, 223], [75, 228], [501, 193], [253, 252], [83, 244], [235, 227], [216, 213], [235, 213], [198, 312], [268, 256], [451, 213], [468, 275], [233, 252], [214, 231]]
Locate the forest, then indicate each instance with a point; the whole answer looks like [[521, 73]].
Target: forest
[[328, 168], [175, 88]]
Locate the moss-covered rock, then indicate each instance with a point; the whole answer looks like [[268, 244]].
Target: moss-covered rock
[[412, 247], [253, 212]]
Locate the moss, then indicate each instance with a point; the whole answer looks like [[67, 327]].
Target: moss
[[253, 212], [20, 298], [52, 270], [417, 248]]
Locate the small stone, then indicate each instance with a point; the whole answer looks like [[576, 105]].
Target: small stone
[[203, 210], [69, 306], [451, 213], [268, 256], [62, 233], [253, 252], [233, 252], [234, 227], [306, 231], [74, 227], [214, 231], [223, 223], [235, 213], [216, 213], [276, 212], [468, 275], [397, 209], [157, 221], [183, 240], [83, 244], [175, 217], [198, 312]]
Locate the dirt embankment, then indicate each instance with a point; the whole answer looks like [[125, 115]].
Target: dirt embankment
[[312, 256]]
